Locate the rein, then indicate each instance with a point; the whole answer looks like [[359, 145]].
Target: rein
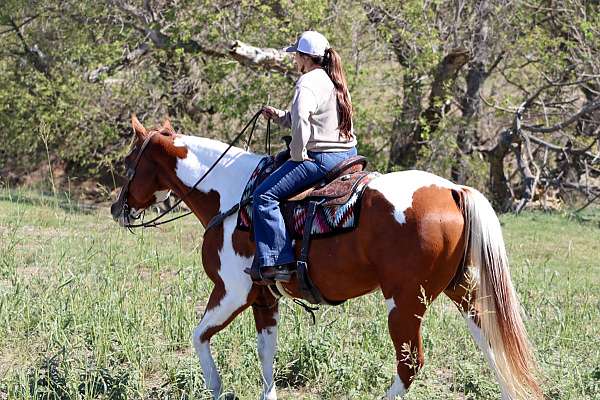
[[131, 174]]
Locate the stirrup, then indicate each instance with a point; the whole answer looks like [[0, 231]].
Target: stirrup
[[256, 276], [280, 273]]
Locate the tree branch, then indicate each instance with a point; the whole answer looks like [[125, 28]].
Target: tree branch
[[17, 27], [574, 118], [267, 58], [36, 57], [131, 57], [443, 81]]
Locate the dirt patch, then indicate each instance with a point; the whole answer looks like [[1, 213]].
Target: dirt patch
[[7, 361], [147, 273], [30, 272]]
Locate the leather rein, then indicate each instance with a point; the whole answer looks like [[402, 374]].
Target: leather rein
[[131, 171]]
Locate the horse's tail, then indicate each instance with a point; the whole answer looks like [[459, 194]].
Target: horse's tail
[[496, 301]]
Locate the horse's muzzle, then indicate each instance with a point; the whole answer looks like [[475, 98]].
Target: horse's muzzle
[[116, 209], [117, 212]]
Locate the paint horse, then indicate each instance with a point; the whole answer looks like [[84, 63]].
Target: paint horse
[[418, 233]]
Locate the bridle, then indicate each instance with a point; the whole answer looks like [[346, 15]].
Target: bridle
[[130, 174], [131, 171]]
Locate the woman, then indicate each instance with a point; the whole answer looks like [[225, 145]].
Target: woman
[[322, 136]]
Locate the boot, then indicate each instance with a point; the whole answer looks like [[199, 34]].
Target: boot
[[267, 275]]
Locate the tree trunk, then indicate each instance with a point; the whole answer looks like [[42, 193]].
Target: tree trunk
[[406, 130], [471, 103], [499, 188]]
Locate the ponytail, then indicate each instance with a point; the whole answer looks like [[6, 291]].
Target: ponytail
[[332, 64]]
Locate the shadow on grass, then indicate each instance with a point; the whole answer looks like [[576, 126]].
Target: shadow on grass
[[51, 381], [291, 376], [183, 385]]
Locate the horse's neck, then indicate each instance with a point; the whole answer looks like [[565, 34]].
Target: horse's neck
[[228, 178]]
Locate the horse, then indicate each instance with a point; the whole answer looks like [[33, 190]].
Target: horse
[[418, 234]]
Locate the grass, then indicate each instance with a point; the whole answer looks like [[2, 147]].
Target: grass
[[88, 310]]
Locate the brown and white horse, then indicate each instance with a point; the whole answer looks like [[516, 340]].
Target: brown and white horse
[[418, 233]]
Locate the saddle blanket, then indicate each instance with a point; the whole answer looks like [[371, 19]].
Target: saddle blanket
[[331, 217]]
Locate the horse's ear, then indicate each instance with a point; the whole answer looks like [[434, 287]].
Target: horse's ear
[[138, 128], [167, 125]]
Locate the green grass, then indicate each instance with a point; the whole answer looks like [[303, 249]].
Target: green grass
[[88, 310]]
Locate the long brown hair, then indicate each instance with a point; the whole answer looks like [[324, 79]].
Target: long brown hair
[[332, 64]]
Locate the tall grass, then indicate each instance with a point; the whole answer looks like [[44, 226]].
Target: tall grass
[[88, 310]]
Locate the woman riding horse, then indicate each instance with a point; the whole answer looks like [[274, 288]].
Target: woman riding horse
[[419, 235], [322, 136]]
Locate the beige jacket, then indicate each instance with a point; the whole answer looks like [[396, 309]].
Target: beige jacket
[[314, 117]]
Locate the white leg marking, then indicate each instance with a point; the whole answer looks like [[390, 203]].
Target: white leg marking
[[267, 346], [213, 318], [396, 390], [390, 304], [237, 286], [484, 346], [209, 369]]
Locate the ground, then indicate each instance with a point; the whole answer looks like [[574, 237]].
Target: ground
[[89, 310]]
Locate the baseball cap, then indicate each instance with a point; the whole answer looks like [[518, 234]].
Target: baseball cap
[[310, 42]]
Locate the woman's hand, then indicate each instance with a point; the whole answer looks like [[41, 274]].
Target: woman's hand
[[269, 112]]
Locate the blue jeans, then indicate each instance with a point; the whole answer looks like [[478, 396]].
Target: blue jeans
[[273, 241]]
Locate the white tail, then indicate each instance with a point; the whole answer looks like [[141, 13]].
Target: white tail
[[496, 302]]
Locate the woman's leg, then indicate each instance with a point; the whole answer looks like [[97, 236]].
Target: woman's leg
[[273, 242]]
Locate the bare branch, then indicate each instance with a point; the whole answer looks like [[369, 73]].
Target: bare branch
[[131, 57], [266, 58], [565, 150], [38, 59], [574, 118], [17, 27]]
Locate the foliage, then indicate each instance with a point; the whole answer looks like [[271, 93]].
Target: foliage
[[81, 68]]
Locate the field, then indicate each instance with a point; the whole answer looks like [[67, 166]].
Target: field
[[89, 310]]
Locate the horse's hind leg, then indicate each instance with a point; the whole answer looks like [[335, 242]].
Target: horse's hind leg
[[463, 294], [221, 309], [266, 316], [405, 313]]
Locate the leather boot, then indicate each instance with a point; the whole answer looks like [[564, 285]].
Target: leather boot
[[269, 274], [282, 273]]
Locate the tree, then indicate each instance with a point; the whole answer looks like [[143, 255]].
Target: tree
[[435, 85]]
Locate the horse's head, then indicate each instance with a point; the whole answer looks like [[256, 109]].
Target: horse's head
[[145, 164]]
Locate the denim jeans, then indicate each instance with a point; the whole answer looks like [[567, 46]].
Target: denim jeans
[[273, 241]]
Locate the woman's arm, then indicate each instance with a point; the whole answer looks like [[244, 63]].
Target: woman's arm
[[280, 117]]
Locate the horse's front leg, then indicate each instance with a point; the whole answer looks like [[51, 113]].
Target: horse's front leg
[[223, 306], [266, 316]]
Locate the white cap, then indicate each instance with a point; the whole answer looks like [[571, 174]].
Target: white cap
[[310, 42]]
